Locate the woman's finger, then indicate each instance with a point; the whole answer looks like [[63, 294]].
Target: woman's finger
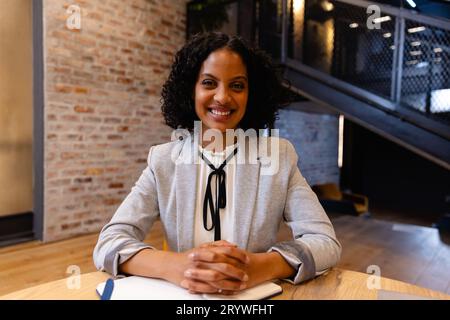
[[198, 287], [216, 271], [215, 279], [228, 285], [220, 254], [219, 243]]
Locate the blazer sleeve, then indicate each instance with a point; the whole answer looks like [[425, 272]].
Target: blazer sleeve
[[123, 236], [315, 247]]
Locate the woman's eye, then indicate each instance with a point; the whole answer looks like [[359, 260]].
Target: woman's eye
[[238, 86], [208, 83]]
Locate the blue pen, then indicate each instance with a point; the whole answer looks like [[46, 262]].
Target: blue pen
[[107, 292]]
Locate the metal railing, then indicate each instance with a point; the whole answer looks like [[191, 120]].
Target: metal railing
[[396, 59]]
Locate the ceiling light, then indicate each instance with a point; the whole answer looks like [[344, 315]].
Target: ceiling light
[[382, 19], [411, 3], [417, 29]]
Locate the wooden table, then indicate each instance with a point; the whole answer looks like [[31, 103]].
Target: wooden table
[[335, 284]]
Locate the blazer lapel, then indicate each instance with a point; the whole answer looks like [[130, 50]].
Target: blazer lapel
[[185, 189], [246, 189]]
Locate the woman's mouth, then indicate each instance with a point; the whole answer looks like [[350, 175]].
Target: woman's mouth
[[220, 115]]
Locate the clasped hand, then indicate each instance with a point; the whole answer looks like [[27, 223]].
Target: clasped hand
[[217, 267]]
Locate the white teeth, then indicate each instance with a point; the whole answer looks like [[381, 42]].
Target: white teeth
[[220, 113]]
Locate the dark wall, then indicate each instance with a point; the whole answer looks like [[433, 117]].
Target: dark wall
[[391, 176]]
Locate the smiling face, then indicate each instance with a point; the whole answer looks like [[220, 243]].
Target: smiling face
[[221, 90]]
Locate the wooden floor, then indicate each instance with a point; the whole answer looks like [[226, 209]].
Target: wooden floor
[[408, 253]]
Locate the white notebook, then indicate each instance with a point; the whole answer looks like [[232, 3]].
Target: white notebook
[[140, 288]]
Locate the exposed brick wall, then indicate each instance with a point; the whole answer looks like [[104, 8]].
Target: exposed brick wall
[[315, 138], [102, 108]]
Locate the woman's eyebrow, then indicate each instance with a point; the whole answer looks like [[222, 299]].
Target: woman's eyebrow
[[235, 78], [239, 77]]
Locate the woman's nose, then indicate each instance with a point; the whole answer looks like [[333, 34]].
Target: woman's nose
[[222, 96]]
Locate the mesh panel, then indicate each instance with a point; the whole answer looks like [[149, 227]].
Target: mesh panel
[[337, 41], [346, 42], [426, 70], [364, 56]]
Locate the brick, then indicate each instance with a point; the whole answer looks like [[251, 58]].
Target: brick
[[70, 117], [115, 185], [68, 226], [71, 137], [163, 36], [85, 41], [92, 119], [63, 88], [94, 171], [91, 221], [82, 215], [83, 180], [106, 129], [95, 16], [114, 23], [57, 183], [81, 90], [112, 201], [112, 120], [71, 155], [84, 75], [72, 191], [83, 109], [135, 45], [124, 80], [115, 137]]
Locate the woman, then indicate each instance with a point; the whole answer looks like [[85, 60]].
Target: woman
[[220, 215]]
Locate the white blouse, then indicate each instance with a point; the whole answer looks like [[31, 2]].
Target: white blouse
[[227, 215]]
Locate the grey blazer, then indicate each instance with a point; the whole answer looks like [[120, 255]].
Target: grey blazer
[[166, 190]]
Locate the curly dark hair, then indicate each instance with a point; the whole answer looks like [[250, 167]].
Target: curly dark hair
[[266, 91]]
